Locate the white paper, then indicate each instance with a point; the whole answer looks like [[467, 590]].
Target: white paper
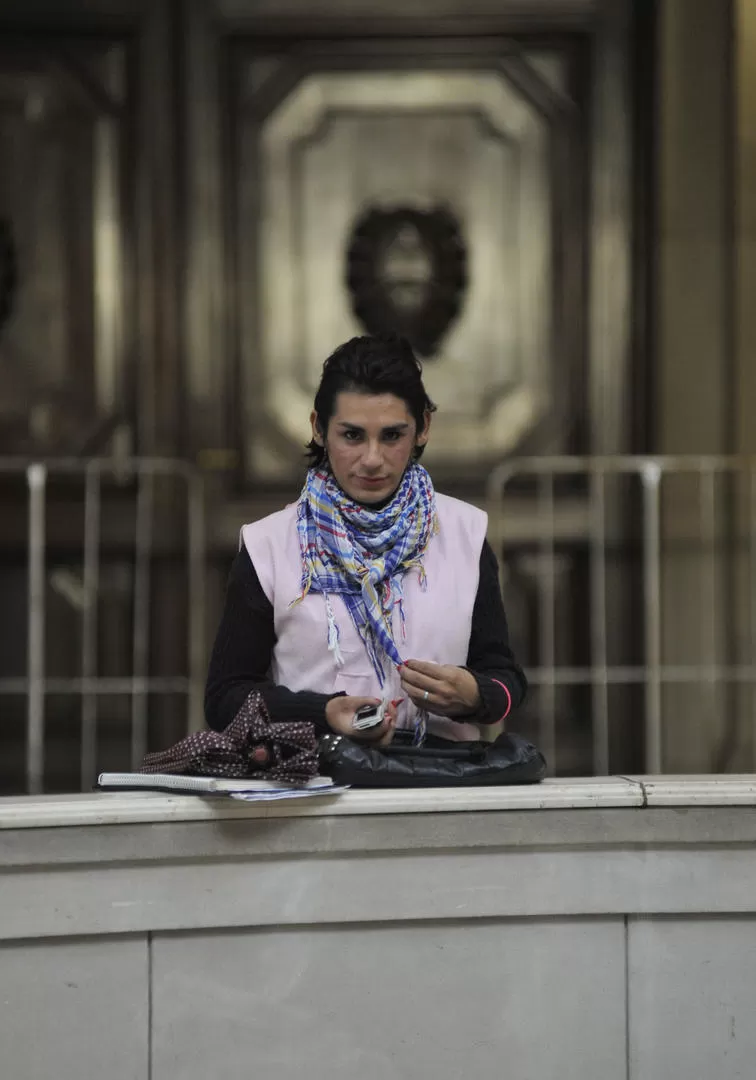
[[286, 793]]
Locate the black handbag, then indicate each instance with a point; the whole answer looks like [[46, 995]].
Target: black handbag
[[509, 760]]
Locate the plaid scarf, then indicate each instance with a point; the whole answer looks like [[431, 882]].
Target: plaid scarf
[[361, 554]]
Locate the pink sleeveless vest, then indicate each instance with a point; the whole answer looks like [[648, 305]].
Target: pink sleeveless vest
[[438, 620]]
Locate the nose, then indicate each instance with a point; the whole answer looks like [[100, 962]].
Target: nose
[[372, 458]]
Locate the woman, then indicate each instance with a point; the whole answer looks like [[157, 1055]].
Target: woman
[[372, 586]]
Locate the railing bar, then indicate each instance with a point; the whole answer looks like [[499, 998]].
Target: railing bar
[[179, 684], [90, 627], [600, 692], [562, 675], [196, 592], [690, 675], [752, 605], [666, 672], [547, 616], [136, 465], [140, 645], [651, 480], [575, 464], [561, 465], [36, 478], [537, 676], [709, 613]]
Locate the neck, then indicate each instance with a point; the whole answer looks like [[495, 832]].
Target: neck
[[378, 505]]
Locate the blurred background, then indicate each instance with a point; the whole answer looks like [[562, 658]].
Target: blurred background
[[554, 199]]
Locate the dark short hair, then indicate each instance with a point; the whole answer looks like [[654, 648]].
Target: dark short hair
[[370, 365]]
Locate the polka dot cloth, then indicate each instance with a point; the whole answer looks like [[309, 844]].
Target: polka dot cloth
[[289, 750]]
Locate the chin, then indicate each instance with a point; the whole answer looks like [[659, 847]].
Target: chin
[[370, 495]]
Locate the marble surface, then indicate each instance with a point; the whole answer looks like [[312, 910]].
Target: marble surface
[[114, 808], [393, 1002], [727, 790], [146, 935], [75, 1009], [691, 998]]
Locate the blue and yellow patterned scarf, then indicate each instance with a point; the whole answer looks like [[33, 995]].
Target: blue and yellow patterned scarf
[[361, 554]]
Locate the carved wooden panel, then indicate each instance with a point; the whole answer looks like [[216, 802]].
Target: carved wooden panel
[[330, 152], [62, 130]]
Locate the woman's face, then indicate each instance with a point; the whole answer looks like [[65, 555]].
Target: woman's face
[[370, 441]]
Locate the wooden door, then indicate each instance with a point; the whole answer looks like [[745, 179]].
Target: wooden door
[[429, 187]]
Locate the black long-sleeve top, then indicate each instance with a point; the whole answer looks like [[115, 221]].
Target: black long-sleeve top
[[246, 637]]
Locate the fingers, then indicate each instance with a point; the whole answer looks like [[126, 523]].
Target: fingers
[[424, 691], [387, 729], [413, 680], [425, 694], [429, 686], [423, 699], [424, 667]]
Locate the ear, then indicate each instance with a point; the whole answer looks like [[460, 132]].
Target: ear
[[422, 435], [317, 434]]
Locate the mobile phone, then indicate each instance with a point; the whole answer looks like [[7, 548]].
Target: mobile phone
[[369, 716]]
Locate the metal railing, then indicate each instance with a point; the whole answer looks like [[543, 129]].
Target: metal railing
[[145, 475], [554, 487], [566, 497]]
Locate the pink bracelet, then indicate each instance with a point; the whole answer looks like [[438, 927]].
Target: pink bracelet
[[509, 700]]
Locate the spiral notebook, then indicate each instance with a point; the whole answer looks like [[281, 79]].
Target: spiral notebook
[[249, 790]]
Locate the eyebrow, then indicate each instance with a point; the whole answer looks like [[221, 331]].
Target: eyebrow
[[401, 426]]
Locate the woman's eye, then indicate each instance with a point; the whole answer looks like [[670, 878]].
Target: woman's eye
[[351, 436], [392, 436]]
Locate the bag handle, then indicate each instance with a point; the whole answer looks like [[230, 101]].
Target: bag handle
[[467, 751]]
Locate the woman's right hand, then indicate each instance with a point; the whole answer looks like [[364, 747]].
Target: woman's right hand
[[340, 714]]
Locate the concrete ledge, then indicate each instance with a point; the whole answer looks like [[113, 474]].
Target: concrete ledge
[[547, 927], [122, 808], [698, 790], [116, 808], [141, 862]]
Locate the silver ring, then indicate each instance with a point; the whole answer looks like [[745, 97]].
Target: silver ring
[[425, 695]]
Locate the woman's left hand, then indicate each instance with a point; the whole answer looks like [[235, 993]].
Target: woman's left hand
[[440, 688]]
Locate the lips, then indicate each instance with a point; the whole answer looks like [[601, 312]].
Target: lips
[[372, 480]]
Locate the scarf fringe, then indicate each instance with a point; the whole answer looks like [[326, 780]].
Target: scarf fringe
[[334, 633]]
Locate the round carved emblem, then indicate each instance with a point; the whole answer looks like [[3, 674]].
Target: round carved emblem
[[7, 271], [407, 273]]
